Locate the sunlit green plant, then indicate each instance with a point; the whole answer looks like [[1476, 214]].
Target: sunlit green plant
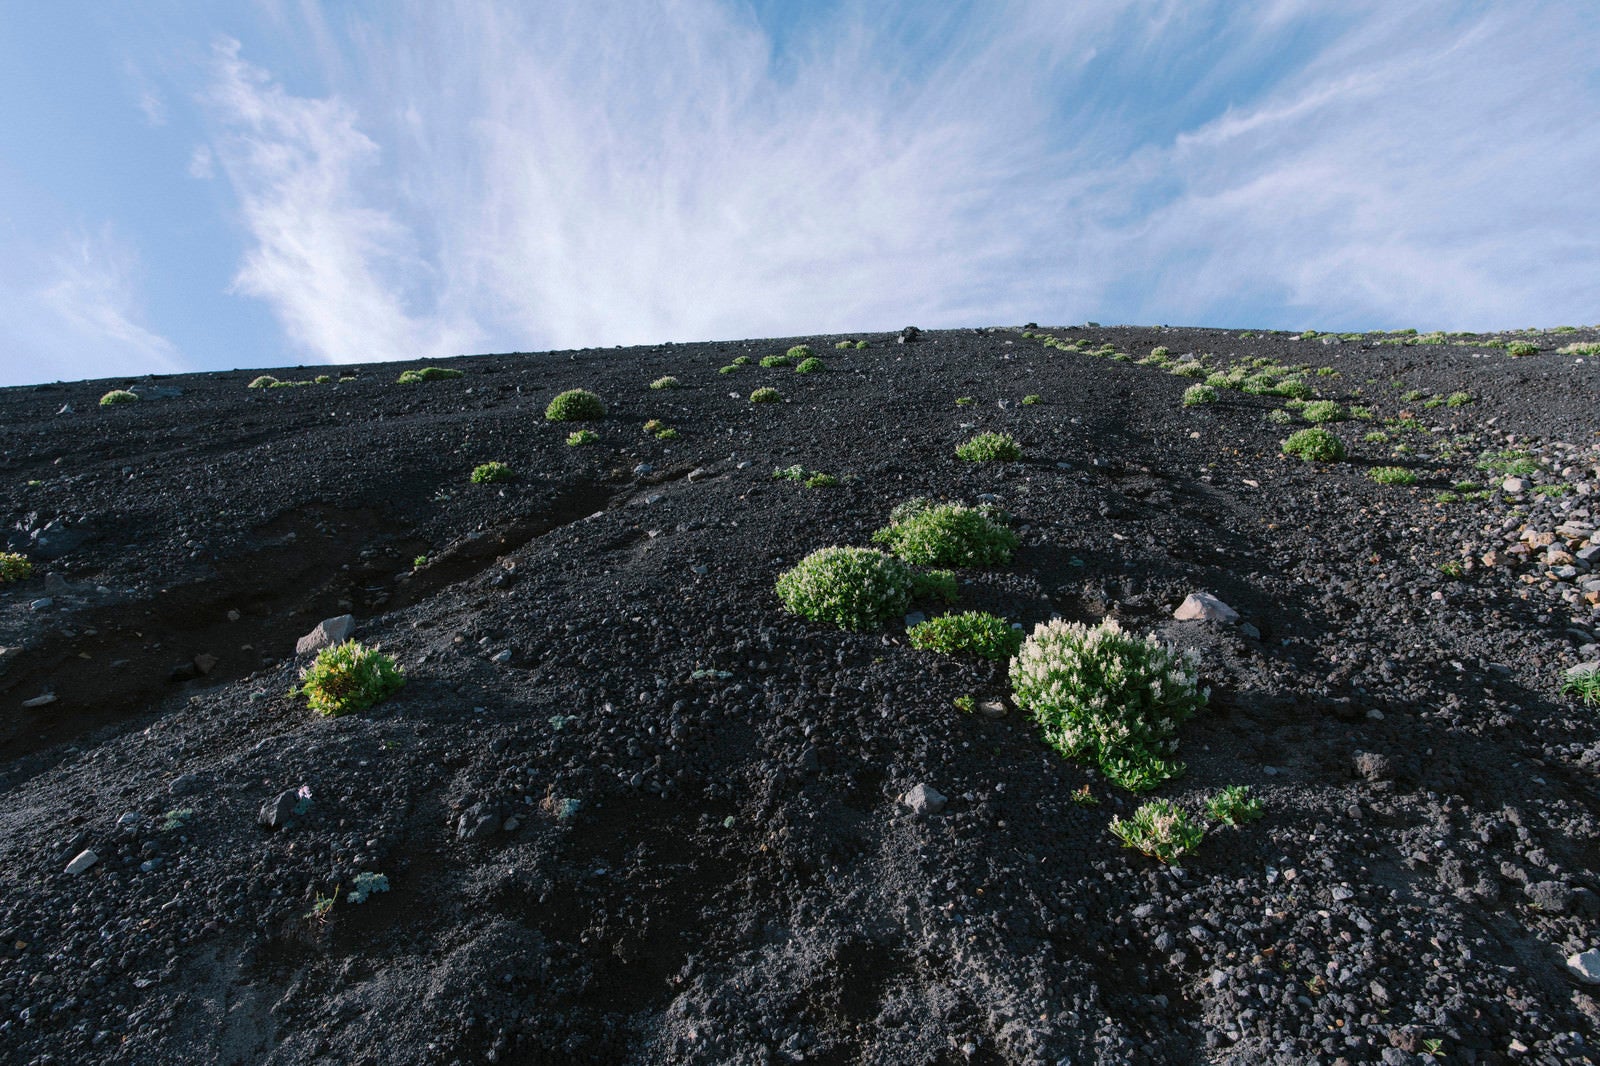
[[949, 534], [765, 394], [1392, 475], [1234, 805], [14, 567], [989, 447], [116, 396], [348, 677], [1159, 829], [575, 405], [579, 437], [491, 473], [1314, 445], [971, 632], [854, 588]]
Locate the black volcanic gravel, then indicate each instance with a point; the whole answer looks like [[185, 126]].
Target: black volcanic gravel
[[631, 811]]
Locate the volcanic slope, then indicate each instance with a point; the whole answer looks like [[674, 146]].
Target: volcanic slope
[[628, 809]]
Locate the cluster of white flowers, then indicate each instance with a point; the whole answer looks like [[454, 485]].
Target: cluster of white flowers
[[857, 588], [1102, 692]]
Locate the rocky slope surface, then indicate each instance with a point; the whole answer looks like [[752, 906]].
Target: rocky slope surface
[[627, 809]]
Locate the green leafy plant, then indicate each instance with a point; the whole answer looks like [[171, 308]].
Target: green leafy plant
[[1452, 568], [844, 344], [1159, 829], [1590, 348], [819, 480], [854, 588], [491, 473], [579, 437], [1460, 399], [1030, 399], [116, 396], [1392, 475], [1375, 436], [1199, 395], [1279, 417], [1584, 684], [262, 382], [1314, 445], [348, 677], [321, 907], [1083, 797], [772, 361], [1109, 696], [963, 401], [811, 365], [1517, 349], [861, 345], [14, 567], [428, 373], [1189, 369], [667, 434], [575, 405], [419, 562], [668, 382], [1159, 352], [1293, 388], [965, 704], [989, 447], [949, 534], [933, 585], [1323, 411], [365, 884], [765, 394], [800, 351], [1557, 489], [742, 360], [971, 632], [176, 819], [1234, 806], [729, 369]]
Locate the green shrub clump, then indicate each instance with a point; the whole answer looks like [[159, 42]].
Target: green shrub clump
[[1459, 399], [1031, 399], [348, 677], [1160, 830], [1520, 348], [854, 588], [1196, 395], [1315, 444], [490, 473], [14, 567], [861, 345], [1159, 352], [1109, 696], [263, 382], [765, 394], [949, 534], [1234, 805], [579, 437], [810, 365], [668, 382], [800, 351], [116, 396], [1324, 411], [1293, 388], [575, 405], [987, 447], [775, 361], [427, 373], [970, 632], [1392, 475]]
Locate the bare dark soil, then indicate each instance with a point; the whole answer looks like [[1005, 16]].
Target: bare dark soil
[[738, 880]]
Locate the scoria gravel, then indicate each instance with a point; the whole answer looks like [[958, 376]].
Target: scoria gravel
[[630, 811]]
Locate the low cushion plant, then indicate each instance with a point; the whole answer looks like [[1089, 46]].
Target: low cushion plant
[[116, 396], [765, 394], [1314, 445], [949, 534], [811, 365], [427, 373], [1323, 411], [575, 405], [1159, 829], [854, 588], [348, 677], [987, 447], [1109, 696], [1196, 395], [490, 473], [970, 632]]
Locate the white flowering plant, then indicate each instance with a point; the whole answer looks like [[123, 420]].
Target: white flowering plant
[[1110, 696], [1159, 829], [855, 588]]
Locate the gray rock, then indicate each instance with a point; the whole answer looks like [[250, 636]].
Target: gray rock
[[278, 811], [1582, 670], [56, 540], [1552, 897], [329, 631], [1585, 966], [479, 821], [1249, 630], [915, 618], [1204, 607], [992, 709], [40, 701], [1372, 766], [503, 656], [924, 800], [1590, 555], [41, 603], [82, 861], [184, 784], [1514, 486], [642, 469]]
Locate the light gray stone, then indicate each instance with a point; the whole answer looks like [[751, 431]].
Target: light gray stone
[[329, 631], [82, 861], [924, 799], [1204, 607], [40, 701], [1514, 486], [1585, 966]]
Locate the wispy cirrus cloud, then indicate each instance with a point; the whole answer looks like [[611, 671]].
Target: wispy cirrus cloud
[[74, 312], [498, 175]]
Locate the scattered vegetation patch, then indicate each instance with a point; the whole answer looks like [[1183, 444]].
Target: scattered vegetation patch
[[949, 534], [1392, 475], [1314, 445], [1517, 349], [1459, 399], [934, 585], [800, 351], [1030, 399], [667, 382], [772, 361], [1581, 348], [990, 447], [1234, 806], [1159, 829], [853, 588], [262, 382], [765, 394], [116, 396], [1584, 684], [1279, 417], [14, 567], [1199, 395], [1109, 696], [963, 401], [348, 677], [428, 373], [969, 633], [812, 365], [579, 437], [575, 405], [1323, 411], [490, 473], [860, 345]]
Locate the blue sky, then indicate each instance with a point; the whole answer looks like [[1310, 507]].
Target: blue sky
[[205, 186]]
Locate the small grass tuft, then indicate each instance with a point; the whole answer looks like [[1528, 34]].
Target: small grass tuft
[[1584, 684]]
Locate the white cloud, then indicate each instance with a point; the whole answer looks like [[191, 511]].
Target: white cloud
[[511, 176], [83, 320], [202, 163]]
